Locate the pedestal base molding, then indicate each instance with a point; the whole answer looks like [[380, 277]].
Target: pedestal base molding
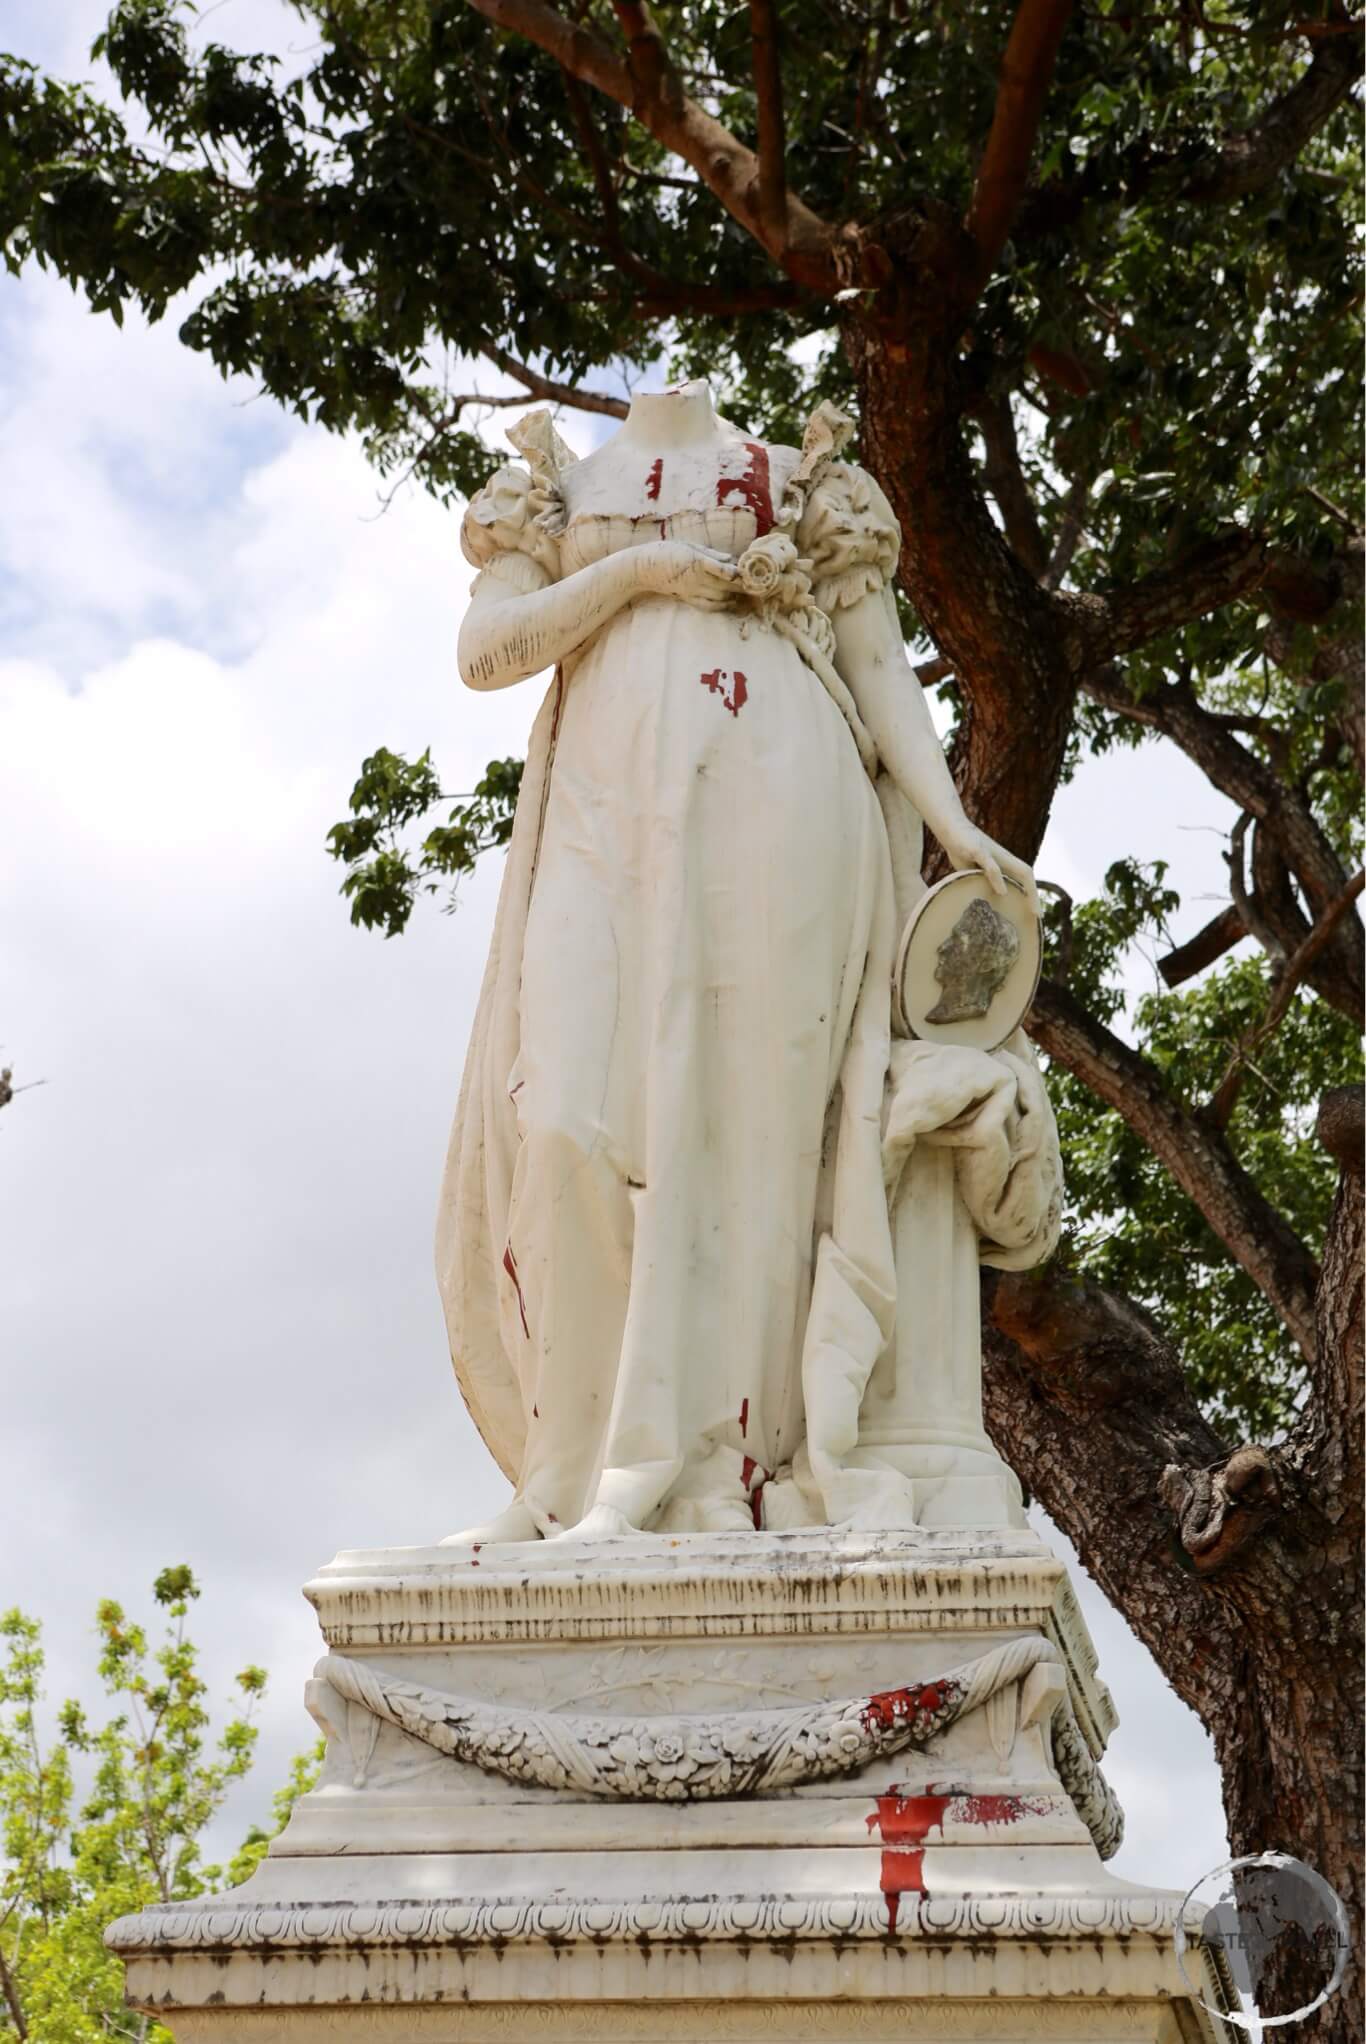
[[789, 1787]]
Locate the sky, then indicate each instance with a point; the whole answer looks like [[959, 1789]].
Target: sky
[[221, 1335]]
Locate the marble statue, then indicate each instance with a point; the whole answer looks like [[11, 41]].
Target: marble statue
[[788, 1726], [666, 1247]]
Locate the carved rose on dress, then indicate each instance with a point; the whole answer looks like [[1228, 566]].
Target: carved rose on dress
[[771, 571]]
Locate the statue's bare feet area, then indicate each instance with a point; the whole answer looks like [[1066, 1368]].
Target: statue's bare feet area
[[604, 1522], [514, 1524]]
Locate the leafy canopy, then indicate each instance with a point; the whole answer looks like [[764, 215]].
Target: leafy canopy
[[103, 1818]]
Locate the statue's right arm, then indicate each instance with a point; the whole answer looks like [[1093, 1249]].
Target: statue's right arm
[[508, 634]]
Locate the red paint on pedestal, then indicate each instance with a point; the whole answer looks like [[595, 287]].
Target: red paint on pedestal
[[904, 1823], [654, 479], [893, 1707]]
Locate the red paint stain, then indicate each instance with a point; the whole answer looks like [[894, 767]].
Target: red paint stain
[[535, 1412], [744, 1417], [749, 1469], [904, 1823], [655, 477], [995, 1809], [893, 1707], [734, 698], [510, 1266], [753, 486]]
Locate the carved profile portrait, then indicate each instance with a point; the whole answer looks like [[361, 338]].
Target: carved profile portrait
[[973, 963]]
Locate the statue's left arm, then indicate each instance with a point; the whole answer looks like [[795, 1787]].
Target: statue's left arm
[[871, 656]]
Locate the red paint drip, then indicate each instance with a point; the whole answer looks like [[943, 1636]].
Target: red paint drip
[[654, 479], [749, 1469], [734, 698], [744, 1417], [510, 1266], [753, 486], [904, 1823], [535, 1412]]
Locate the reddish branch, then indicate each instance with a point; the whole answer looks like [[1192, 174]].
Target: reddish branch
[[768, 91], [557, 393], [1193, 1149], [646, 82], [1026, 73], [1211, 575]]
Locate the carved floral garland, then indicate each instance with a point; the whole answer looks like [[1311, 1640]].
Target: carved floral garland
[[703, 1756]]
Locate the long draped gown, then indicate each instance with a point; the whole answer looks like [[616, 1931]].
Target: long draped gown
[[663, 1245]]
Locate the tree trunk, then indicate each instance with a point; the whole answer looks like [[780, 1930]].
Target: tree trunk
[[1241, 1572], [988, 616]]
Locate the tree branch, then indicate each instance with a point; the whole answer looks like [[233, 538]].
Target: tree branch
[[1211, 575], [1284, 818], [557, 393], [1243, 164], [1206, 947], [647, 83], [1004, 477], [768, 90], [1247, 162], [1194, 1151], [1026, 73], [1293, 971]]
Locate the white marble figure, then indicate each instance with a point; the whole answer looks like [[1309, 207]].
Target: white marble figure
[[666, 1241]]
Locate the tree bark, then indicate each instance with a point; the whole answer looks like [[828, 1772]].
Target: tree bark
[[990, 619], [1241, 1572]]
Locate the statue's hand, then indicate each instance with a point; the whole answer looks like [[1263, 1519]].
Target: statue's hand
[[968, 846], [690, 574]]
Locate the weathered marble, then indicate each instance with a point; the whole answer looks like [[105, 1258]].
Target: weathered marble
[[946, 1881]]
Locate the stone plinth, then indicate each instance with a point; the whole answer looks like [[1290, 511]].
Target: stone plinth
[[787, 1786]]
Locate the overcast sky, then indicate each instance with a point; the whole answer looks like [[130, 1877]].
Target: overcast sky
[[220, 1324]]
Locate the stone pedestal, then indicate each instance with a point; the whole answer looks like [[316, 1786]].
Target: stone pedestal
[[785, 1786]]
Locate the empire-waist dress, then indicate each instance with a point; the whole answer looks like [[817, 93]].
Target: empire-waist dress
[[664, 1230]]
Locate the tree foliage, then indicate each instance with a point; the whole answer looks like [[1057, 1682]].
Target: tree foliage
[[100, 1819], [386, 872]]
